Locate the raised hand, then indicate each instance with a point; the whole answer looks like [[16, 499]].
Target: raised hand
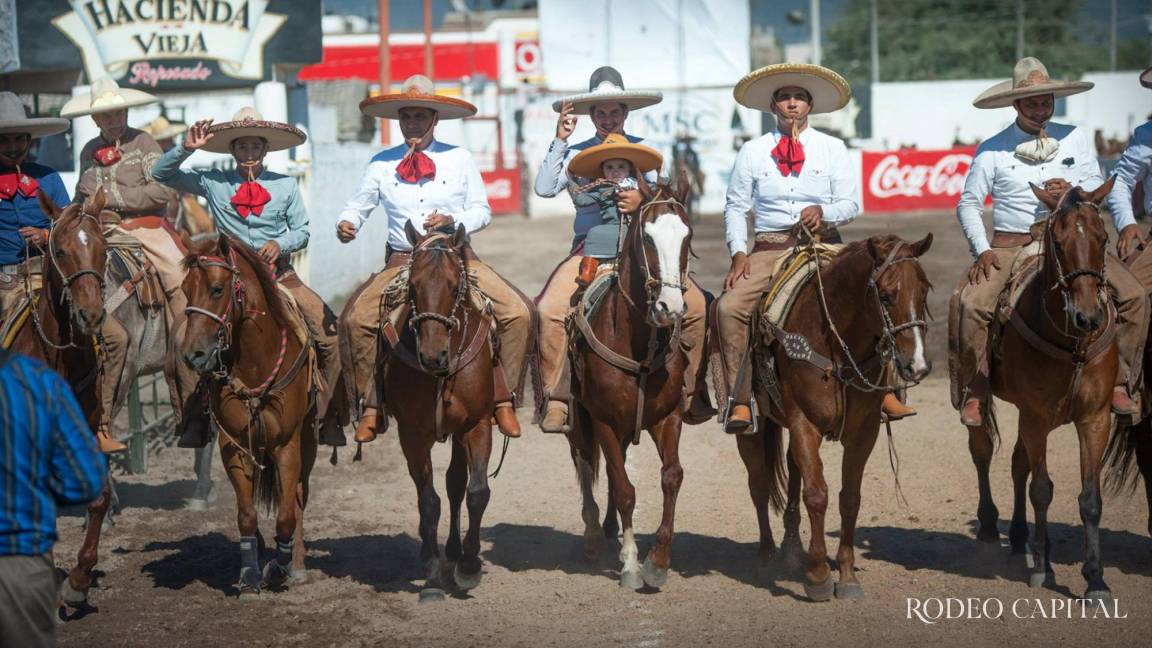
[[198, 135], [566, 123]]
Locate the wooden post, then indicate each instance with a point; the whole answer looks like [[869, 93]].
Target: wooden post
[[385, 55]]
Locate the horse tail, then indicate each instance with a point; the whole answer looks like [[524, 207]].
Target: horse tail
[[266, 483], [774, 455], [583, 442], [1121, 457]]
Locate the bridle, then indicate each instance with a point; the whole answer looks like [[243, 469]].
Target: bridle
[[435, 243], [66, 283], [224, 320], [652, 285], [886, 347], [1064, 279]]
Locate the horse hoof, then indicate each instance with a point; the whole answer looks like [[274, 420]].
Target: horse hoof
[[275, 574], [1037, 580], [821, 591], [431, 595], [631, 580], [72, 596], [1102, 597], [653, 576], [247, 595], [298, 576], [196, 504], [466, 581], [250, 579], [593, 545], [849, 591]]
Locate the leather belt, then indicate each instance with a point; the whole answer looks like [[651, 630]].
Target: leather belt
[[787, 239], [1010, 239]]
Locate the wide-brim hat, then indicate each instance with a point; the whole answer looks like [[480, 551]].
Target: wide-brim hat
[[830, 92], [1146, 78], [14, 119], [104, 96], [417, 92], [607, 86], [586, 163], [162, 129], [247, 122], [1029, 79]]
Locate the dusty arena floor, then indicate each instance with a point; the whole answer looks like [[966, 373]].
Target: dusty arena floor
[[166, 573]]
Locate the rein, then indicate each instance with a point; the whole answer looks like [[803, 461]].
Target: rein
[[66, 281]]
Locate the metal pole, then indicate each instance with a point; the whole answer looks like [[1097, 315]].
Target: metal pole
[[814, 12], [429, 64], [874, 40], [1112, 38], [385, 55], [137, 444], [1019, 29]]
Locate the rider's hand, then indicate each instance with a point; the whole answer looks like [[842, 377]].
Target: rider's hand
[[982, 269], [436, 220], [1056, 187], [812, 216], [628, 201], [1130, 239], [34, 236], [738, 271], [345, 231], [566, 123], [198, 135], [270, 251]]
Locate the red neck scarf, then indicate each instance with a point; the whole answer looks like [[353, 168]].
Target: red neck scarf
[[16, 182], [416, 166], [789, 155], [250, 197], [108, 155]]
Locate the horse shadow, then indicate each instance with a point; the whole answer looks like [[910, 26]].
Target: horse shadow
[[387, 563], [208, 558], [520, 548], [169, 496]]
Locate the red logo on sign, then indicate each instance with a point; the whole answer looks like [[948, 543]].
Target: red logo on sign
[[527, 56], [914, 180]]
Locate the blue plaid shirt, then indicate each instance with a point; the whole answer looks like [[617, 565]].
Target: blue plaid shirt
[[48, 456]]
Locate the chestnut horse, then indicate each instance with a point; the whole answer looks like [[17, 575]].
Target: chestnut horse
[[824, 376], [437, 373], [63, 330], [1056, 362], [241, 337], [628, 375]]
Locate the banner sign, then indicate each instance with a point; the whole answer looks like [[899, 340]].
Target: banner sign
[[914, 180]]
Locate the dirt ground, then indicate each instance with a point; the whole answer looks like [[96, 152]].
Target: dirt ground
[[167, 573]]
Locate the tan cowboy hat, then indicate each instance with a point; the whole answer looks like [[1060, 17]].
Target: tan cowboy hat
[[606, 85], [417, 92], [162, 129], [14, 119], [587, 163], [105, 95], [1029, 79], [247, 122], [830, 92], [1146, 78]]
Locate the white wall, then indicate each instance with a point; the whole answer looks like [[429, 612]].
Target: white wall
[[1116, 106]]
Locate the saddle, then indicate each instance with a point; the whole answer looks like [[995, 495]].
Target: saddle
[[15, 321], [132, 274]]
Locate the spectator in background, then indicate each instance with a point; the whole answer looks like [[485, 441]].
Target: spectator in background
[[48, 458]]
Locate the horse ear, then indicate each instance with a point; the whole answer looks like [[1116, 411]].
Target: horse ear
[[48, 206], [94, 204], [921, 246], [459, 237], [879, 247], [643, 186], [413, 235], [186, 240], [222, 244], [1101, 192], [1044, 197]]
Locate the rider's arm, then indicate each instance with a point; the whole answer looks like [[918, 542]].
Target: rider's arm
[[1086, 172], [366, 198], [54, 188], [552, 177], [476, 214], [970, 209], [845, 185], [149, 195], [167, 171], [77, 467], [738, 201], [296, 238], [1132, 168]]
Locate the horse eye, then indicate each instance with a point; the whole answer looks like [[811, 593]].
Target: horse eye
[[60, 253], [217, 290], [885, 299]]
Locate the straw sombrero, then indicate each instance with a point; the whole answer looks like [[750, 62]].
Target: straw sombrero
[[417, 92], [830, 92], [247, 122], [606, 85], [105, 95], [587, 163], [14, 119], [1029, 79], [1146, 78], [162, 129]]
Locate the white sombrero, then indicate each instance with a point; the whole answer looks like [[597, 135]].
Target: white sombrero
[[606, 85], [105, 95], [417, 92], [162, 129], [1029, 79], [14, 119], [830, 92], [247, 122], [1146, 78]]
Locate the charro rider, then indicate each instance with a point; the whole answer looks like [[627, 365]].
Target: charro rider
[[23, 225], [432, 185], [1033, 150], [608, 104], [264, 210], [1132, 172], [795, 174]]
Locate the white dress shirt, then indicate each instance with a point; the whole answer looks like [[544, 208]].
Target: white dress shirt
[[997, 171], [553, 178], [456, 191], [826, 179], [1135, 167]]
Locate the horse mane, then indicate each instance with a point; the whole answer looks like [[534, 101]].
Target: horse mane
[[205, 244]]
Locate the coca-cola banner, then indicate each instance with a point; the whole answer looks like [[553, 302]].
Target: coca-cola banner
[[914, 180]]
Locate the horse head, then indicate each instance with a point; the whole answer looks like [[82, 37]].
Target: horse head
[[76, 257], [214, 291], [1075, 243], [437, 294], [658, 242], [901, 289]]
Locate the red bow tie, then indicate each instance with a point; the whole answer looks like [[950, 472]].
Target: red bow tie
[[107, 156], [17, 183], [416, 166], [789, 156], [250, 198]]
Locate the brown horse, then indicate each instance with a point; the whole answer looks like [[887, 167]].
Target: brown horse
[[824, 376], [62, 331], [1056, 362], [440, 367], [628, 375], [241, 337]]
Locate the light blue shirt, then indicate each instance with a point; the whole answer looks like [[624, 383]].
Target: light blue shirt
[[1134, 167]]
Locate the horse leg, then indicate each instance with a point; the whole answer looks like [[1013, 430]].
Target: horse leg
[[1093, 439], [478, 443], [287, 458], [666, 435], [456, 482], [857, 448], [805, 444], [791, 549], [1018, 532], [418, 453], [980, 447], [1035, 439], [235, 465], [753, 454], [74, 590], [308, 449], [586, 458], [625, 495], [205, 492]]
